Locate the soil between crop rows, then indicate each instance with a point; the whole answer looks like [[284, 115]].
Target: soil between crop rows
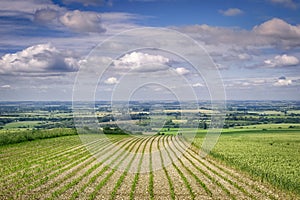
[[166, 168]]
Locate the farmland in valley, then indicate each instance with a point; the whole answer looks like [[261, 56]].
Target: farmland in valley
[[254, 158]]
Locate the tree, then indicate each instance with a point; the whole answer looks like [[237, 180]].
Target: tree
[[204, 125]]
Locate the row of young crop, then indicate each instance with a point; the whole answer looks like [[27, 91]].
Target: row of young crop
[[30, 171], [269, 157], [219, 175], [72, 173]]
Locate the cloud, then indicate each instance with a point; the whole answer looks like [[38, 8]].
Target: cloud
[[213, 35], [111, 81], [119, 17], [45, 15], [198, 85], [275, 32], [254, 83], [282, 81], [5, 86], [181, 71], [286, 3], [247, 83], [25, 8], [278, 28], [81, 21], [231, 12], [146, 0], [89, 2], [282, 60], [221, 66], [142, 62], [244, 56], [116, 22], [37, 59]]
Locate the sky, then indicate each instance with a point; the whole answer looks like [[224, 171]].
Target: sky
[[59, 49]]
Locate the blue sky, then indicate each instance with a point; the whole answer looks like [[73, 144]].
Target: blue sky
[[254, 44], [189, 12]]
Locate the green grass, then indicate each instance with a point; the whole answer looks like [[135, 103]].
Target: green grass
[[271, 155]]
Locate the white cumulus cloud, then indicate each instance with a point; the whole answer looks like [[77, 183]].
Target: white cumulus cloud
[[182, 71], [111, 81], [37, 59], [275, 32], [82, 21], [282, 81], [142, 62], [278, 28], [282, 60]]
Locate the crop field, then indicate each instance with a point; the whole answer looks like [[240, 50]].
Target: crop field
[[63, 168], [270, 155]]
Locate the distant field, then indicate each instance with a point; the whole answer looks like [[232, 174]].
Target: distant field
[[294, 111], [206, 111], [179, 120], [267, 112], [250, 128], [271, 126], [22, 124]]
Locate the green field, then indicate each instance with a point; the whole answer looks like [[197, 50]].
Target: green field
[[22, 125], [255, 164], [271, 126], [63, 168], [294, 111], [270, 155], [269, 152]]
